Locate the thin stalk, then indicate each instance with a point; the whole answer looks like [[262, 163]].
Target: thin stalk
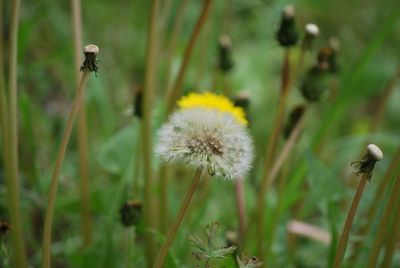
[[372, 210], [380, 234], [178, 220], [394, 232], [273, 173], [344, 238], [173, 93], [146, 133], [17, 237], [82, 130], [277, 126], [173, 39], [382, 101], [136, 165], [164, 211], [57, 170], [241, 208], [176, 89]]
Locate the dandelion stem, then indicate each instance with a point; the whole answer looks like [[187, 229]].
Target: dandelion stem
[[379, 194], [176, 89], [57, 170], [82, 129], [174, 36], [383, 225], [148, 94], [392, 239], [282, 157], [178, 220], [344, 238], [10, 125], [273, 140], [241, 208]]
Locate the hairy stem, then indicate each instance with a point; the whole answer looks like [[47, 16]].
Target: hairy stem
[[178, 220], [57, 170], [241, 208], [82, 129]]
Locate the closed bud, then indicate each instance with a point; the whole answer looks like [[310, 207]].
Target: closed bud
[[293, 119], [311, 32], [225, 58], [4, 228], [90, 64], [287, 34], [131, 213], [242, 100], [138, 102], [315, 83]]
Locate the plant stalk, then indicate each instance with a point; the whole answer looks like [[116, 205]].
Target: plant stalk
[[178, 220], [241, 208], [394, 232], [10, 125], [146, 133], [380, 234], [57, 170], [82, 130], [176, 89], [273, 174], [372, 210], [344, 238]]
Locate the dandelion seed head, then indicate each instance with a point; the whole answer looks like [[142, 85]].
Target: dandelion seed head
[[206, 137]]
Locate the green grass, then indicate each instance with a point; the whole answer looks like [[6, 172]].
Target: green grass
[[319, 180]]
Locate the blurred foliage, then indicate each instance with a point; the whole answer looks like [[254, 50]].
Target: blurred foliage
[[369, 35]]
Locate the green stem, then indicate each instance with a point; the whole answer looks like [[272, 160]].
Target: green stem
[[57, 170], [392, 239], [273, 174], [175, 91], [146, 133], [272, 145], [178, 220], [383, 225], [82, 130], [18, 243], [344, 238], [174, 36], [372, 210], [241, 208]]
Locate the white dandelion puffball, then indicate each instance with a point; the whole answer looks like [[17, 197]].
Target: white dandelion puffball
[[208, 138]]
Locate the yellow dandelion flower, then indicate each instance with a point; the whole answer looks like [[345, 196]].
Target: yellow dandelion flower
[[210, 100]]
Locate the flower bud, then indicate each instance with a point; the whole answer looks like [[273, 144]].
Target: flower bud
[[293, 119], [287, 34], [311, 32], [4, 228], [225, 58], [138, 103], [367, 163], [131, 213], [90, 64], [315, 83]]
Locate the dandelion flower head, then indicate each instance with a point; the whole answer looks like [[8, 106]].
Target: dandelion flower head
[[212, 101], [208, 132]]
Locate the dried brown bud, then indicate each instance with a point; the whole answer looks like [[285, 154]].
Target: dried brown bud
[[90, 64], [131, 212]]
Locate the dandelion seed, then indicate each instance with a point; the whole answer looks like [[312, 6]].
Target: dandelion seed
[[208, 132]]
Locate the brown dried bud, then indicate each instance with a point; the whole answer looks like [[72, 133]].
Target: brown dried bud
[[131, 213]]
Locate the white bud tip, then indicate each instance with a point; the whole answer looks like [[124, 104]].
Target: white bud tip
[[374, 152], [312, 29], [288, 11], [225, 41], [91, 49]]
